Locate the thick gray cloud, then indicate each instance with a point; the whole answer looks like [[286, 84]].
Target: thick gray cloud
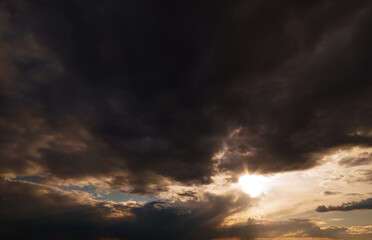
[[36, 211], [159, 87], [361, 205], [141, 94]]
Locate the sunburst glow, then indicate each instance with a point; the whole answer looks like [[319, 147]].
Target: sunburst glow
[[253, 185]]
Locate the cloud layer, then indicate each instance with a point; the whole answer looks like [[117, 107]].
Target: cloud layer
[[34, 211], [145, 97], [145, 87]]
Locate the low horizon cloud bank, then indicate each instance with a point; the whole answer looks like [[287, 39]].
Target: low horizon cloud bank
[[361, 205]]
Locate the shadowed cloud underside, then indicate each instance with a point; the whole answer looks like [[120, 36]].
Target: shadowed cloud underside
[[136, 119]]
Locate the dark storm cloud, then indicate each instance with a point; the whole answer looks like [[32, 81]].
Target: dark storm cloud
[[362, 205], [35, 211], [156, 88], [142, 94]]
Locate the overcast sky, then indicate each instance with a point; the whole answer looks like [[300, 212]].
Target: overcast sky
[[200, 120]]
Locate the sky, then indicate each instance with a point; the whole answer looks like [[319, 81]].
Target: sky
[[186, 120]]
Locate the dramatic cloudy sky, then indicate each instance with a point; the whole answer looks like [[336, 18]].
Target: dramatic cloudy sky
[[186, 120]]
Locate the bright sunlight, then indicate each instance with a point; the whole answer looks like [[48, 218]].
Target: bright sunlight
[[253, 185]]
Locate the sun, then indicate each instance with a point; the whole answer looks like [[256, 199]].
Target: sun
[[253, 185]]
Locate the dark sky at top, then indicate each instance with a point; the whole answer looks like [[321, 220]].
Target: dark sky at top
[[143, 91]]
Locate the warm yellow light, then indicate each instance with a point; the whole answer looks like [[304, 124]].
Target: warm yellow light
[[254, 185]]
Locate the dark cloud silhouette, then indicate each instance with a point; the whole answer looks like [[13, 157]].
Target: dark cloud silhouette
[[36, 211], [361, 205], [160, 87], [140, 95], [56, 214]]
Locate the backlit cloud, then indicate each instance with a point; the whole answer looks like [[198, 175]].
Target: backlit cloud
[[136, 119]]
